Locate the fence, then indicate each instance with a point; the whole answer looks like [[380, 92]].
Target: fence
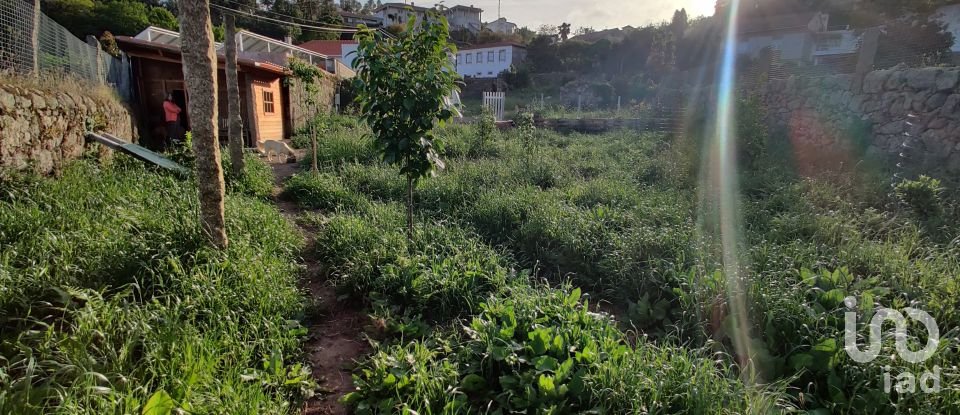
[[32, 43], [495, 101]]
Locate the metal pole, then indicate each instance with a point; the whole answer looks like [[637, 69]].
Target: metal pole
[[618, 104]]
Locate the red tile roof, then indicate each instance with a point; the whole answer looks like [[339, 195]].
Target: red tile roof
[[327, 47]]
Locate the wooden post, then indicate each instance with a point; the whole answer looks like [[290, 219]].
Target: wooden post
[[97, 65], [866, 56], [35, 39]]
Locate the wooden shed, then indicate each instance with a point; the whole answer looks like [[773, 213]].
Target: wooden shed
[[157, 71]]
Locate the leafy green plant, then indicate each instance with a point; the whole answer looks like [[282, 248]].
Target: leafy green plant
[[308, 76], [922, 196], [401, 85]]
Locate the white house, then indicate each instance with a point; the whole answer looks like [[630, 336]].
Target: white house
[[399, 14], [464, 18], [357, 19], [794, 35], [501, 25], [488, 61], [838, 46]]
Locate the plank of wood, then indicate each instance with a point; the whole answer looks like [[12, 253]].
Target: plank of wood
[[138, 152]]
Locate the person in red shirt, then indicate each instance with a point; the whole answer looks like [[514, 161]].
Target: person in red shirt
[[171, 114]]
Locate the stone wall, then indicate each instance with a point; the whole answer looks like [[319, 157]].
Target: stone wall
[[916, 107], [42, 129], [300, 110]]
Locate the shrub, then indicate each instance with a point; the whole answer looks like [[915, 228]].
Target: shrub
[[922, 196]]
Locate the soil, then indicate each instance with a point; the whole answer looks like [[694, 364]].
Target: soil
[[335, 339]]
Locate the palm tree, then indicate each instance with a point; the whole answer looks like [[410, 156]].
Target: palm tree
[[235, 124], [200, 78]]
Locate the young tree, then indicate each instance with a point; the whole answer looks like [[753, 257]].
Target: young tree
[[200, 77], [235, 122], [308, 75], [401, 85], [564, 31]]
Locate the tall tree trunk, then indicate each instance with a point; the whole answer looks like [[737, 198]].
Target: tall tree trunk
[[235, 125], [199, 73]]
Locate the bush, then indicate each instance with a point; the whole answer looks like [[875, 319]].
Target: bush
[[922, 196]]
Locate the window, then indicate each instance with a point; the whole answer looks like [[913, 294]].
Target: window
[[459, 58], [479, 57], [469, 58], [268, 102], [490, 56], [503, 55]]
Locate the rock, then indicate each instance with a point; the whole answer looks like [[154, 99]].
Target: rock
[[936, 100], [895, 127], [949, 107], [947, 80], [895, 81], [7, 101], [921, 79], [38, 101], [937, 123]]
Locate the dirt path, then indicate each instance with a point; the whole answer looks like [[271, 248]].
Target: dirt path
[[335, 339]]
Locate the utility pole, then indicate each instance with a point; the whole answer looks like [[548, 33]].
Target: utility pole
[[498, 10]]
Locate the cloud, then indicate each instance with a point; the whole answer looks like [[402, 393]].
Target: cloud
[[590, 13]]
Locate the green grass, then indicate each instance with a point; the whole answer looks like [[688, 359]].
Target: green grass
[[110, 298], [625, 216]]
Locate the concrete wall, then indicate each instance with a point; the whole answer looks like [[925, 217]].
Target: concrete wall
[[42, 130], [919, 107], [300, 111]]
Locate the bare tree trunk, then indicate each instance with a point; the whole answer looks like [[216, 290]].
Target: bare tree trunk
[[199, 73], [235, 125], [410, 208]]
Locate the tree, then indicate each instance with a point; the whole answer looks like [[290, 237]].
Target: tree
[[368, 7], [199, 75], [678, 25], [235, 122], [308, 75], [401, 86], [564, 31], [322, 11], [350, 5]]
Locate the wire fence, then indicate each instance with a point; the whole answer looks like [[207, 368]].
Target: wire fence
[[32, 43]]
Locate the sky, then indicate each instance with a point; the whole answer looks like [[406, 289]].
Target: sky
[[585, 13]]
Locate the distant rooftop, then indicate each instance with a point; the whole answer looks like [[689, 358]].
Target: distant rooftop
[[493, 45]]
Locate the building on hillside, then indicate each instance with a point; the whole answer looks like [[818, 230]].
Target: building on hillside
[[501, 25], [793, 35], [399, 14], [464, 18], [343, 51], [459, 17], [356, 19], [837, 48], [490, 60], [266, 106]]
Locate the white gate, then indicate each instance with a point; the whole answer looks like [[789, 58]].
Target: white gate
[[495, 102]]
